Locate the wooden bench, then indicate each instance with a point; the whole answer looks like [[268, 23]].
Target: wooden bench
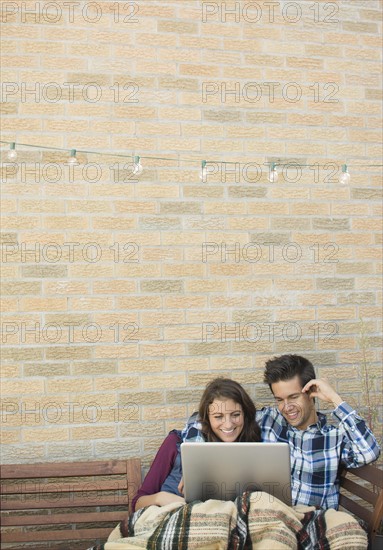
[[61, 505], [361, 494]]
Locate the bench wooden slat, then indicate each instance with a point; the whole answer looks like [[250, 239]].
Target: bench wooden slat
[[133, 473], [32, 487], [370, 473], [55, 519], [67, 503], [63, 469], [370, 508], [119, 493], [36, 495], [355, 508], [61, 535], [51, 545], [360, 491]]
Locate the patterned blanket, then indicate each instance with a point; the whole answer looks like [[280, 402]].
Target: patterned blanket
[[255, 520]]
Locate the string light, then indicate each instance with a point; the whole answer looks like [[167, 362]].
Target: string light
[[72, 160], [344, 178], [12, 153], [137, 167], [273, 174], [203, 173]]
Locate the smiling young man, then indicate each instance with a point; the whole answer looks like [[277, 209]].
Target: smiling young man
[[317, 447], [296, 407]]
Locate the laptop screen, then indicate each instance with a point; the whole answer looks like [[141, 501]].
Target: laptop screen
[[224, 471]]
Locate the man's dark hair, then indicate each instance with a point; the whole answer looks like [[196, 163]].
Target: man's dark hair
[[287, 367]]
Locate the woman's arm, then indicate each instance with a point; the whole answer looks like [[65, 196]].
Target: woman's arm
[[158, 499], [150, 490]]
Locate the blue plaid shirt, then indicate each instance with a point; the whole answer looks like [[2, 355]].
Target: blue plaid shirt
[[315, 452]]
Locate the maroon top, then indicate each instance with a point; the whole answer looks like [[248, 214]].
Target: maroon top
[[160, 468]]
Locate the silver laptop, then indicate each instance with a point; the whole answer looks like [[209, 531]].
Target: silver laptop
[[223, 471]]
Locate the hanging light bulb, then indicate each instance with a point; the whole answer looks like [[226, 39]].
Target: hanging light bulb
[[203, 173], [72, 160], [137, 167], [344, 178], [273, 174], [12, 153]]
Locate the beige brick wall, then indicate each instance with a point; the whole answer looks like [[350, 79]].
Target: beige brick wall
[[123, 296]]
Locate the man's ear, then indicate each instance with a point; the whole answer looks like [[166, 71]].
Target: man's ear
[[309, 393]]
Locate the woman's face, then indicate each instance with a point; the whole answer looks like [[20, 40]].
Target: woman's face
[[226, 419]]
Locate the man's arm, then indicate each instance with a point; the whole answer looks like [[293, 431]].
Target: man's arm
[[318, 387], [192, 429], [360, 445]]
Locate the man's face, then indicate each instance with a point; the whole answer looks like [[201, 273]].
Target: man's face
[[297, 408]]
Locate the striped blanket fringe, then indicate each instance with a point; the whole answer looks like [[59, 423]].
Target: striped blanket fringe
[[254, 521]]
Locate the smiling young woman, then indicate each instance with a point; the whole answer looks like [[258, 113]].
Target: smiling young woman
[[226, 419], [227, 412], [228, 415]]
